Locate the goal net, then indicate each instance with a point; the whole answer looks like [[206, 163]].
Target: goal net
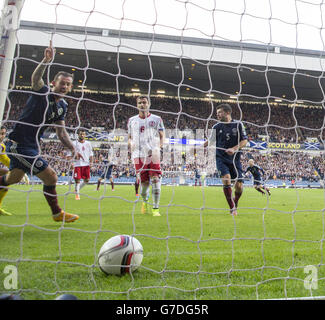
[[263, 58]]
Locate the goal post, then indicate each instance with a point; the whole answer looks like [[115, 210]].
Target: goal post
[[9, 25]]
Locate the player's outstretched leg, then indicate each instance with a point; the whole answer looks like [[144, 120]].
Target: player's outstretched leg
[[3, 193], [259, 189], [267, 190], [11, 177], [49, 178]]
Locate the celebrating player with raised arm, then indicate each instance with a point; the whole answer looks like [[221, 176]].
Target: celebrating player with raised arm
[[146, 135], [256, 171], [229, 137], [44, 107]]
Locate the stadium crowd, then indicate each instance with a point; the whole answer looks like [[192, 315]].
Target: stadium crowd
[[280, 123]]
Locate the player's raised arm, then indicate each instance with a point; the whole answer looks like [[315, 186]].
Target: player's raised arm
[[37, 76]]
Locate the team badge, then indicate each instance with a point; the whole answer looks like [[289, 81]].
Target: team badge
[[39, 163]]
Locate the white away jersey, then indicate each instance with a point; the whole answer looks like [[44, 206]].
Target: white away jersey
[[86, 150], [144, 134]]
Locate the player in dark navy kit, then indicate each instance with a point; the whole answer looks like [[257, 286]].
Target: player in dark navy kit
[[44, 107], [229, 136], [107, 173], [197, 176], [256, 172]]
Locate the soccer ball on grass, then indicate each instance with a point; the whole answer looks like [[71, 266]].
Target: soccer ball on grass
[[120, 254]]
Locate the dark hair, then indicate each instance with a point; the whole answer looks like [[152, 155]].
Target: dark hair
[[64, 74], [3, 127], [225, 107], [143, 97]]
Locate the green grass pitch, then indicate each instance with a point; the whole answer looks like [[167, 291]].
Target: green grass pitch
[[195, 250]]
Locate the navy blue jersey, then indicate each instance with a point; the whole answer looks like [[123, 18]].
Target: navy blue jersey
[[108, 168], [107, 163], [36, 112], [255, 171], [197, 173], [228, 135]]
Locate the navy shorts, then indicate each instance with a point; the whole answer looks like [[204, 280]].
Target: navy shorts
[[258, 182], [25, 158], [108, 173], [234, 169]]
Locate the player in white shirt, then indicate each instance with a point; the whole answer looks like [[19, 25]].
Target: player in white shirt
[[146, 134], [82, 166]]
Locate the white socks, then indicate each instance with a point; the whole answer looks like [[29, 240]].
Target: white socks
[[83, 183], [145, 191], [156, 189], [79, 186]]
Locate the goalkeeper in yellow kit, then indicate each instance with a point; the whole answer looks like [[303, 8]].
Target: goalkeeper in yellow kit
[[4, 159]]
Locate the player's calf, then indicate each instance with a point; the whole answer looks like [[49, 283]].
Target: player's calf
[[156, 191]]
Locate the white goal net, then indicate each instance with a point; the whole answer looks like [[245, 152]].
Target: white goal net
[[263, 58]]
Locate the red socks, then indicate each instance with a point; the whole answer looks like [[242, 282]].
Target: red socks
[[237, 196], [228, 194], [51, 198]]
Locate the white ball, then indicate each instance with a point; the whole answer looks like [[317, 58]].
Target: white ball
[[120, 254]]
